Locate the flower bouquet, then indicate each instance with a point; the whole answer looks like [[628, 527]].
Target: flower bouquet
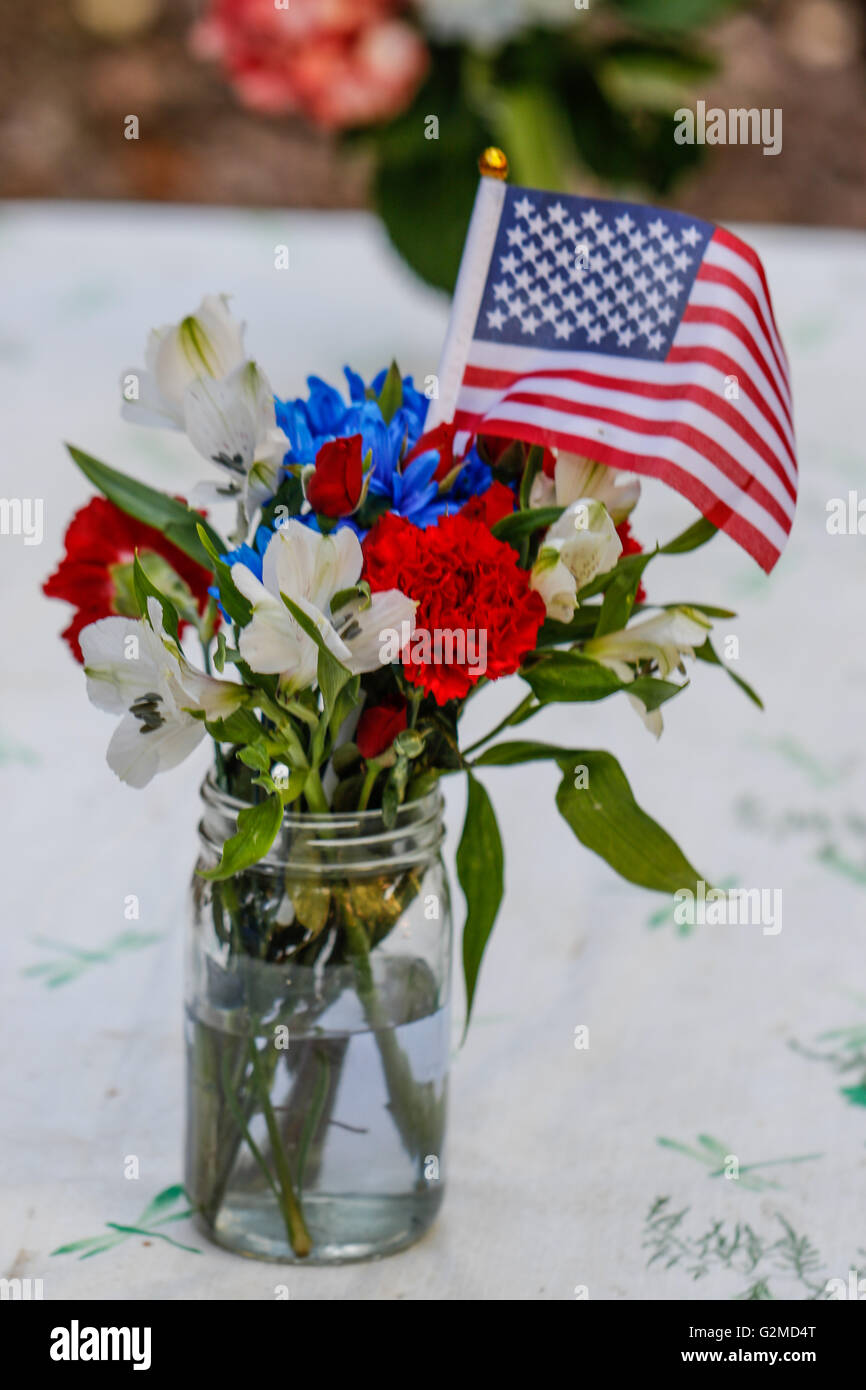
[[375, 580], [579, 94]]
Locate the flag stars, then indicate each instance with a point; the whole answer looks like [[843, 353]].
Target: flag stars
[[515, 236], [529, 323], [691, 236], [655, 342], [625, 338], [624, 224], [524, 208], [682, 261], [674, 288], [563, 329], [657, 229], [508, 264], [591, 219], [495, 319], [595, 334], [557, 213]]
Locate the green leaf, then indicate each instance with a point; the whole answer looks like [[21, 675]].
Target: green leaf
[[239, 608], [530, 473], [583, 624], [620, 593], [604, 814], [606, 818], [519, 751], [241, 726], [178, 523], [256, 832], [567, 677], [390, 398], [345, 702], [520, 524], [480, 870], [256, 756], [692, 538], [708, 653], [145, 589]]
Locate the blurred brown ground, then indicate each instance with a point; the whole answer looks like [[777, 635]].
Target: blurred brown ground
[[66, 85]]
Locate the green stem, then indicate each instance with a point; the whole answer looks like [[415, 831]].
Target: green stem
[[373, 770], [299, 1236], [512, 718], [315, 793]]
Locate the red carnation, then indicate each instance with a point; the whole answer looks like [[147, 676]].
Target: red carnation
[[473, 598], [379, 725], [631, 546], [335, 488], [95, 574], [439, 440], [491, 506]]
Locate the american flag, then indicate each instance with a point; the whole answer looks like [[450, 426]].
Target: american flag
[[638, 337]]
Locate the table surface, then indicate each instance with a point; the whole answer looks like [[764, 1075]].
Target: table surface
[[571, 1171]]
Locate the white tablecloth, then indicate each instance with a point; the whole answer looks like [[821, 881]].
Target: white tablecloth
[[555, 1160]]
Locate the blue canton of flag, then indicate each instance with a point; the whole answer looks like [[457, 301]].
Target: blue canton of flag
[[603, 276]]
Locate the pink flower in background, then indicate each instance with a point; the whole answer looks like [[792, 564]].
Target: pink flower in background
[[338, 62]]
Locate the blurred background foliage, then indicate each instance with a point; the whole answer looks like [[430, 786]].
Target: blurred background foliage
[[581, 99]]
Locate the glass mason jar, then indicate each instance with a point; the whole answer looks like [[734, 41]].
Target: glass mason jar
[[318, 1035]]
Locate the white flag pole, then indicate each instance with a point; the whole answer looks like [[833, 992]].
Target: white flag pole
[[480, 240]]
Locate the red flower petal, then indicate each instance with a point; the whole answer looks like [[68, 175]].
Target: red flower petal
[[379, 725], [466, 583], [101, 535]]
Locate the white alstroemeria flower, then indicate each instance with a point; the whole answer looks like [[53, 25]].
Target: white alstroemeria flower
[[206, 344], [556, 584], [575, 478], [233, 423], [577, 547], [663, 640], [310, 569], [133, 669]]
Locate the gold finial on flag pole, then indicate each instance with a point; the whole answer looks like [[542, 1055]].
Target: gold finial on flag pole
[[493, 164]]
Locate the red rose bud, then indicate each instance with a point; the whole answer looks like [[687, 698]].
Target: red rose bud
[[440, 439], [548, 463], [379, 725], [335, 488]]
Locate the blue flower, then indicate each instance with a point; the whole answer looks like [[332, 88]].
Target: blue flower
[[411, 491]]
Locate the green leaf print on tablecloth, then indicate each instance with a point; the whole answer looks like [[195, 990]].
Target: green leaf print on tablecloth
[[146, 1224], [724, 1162], [777, 1263], [845, 1052], [73, 961]]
